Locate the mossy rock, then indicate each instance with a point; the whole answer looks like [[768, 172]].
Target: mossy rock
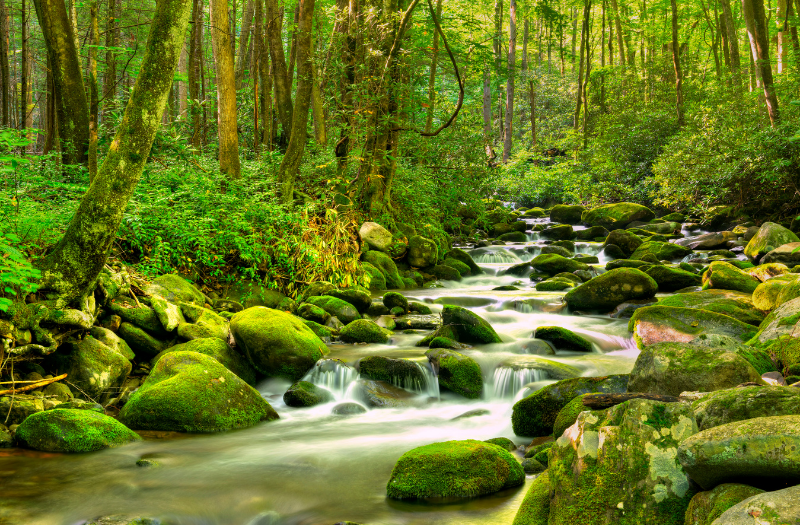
[[460, 255], [311, 312], [774, 507], [377, 281], [95, 369], [220, 351], [659, 324], [558, 250], [662, 251], [568, 415], [674, 217], [611, 289], [382, 394], [552, 264], [467, 326], [422, 252], [738, 404], [64, 430], [357, 296], [505, 443], [387, 266], [563, 338], [139, 315], [174, 289], [535, 508], [554, 285], [192, 392], [561, 232], [709, 505], [765, 296], [113, 341], [765, 272], [364, 331], [399, 372], [787, 254], [277, 343], [323, 332], [456, 372], [459, 266], [769, 237], [761, 360], [536, 414], [453, 469], [790, 290], [392, 299], [624, 240], [673, 279], [566, 213], [780, 322], [315, 289], [142, 343], [338, 308], [513, 237], [626, 263], [617, 215], [725, 276], [305, 394], [445, 342], [739, 305], [444, 272], [419, 308]]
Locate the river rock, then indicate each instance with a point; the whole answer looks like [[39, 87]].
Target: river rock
[[592, 233], [355, 295], [19, 407], [769, 237], [380, 394], [96, 369], [168, 314], [627, 263], [386, 265], [709, 505], [708, 241], [566, 213], [418, 322], [399, 372], [364, 331], [311, 312], [558, 250], [765, 272], [619, 466], [305, 394], [454, 469], [552, 264], [568, 415], [662, 251], [376, 236], [737, 404], [559, 232], [610, 289], [113, 341], [192, 392], [456, 372], [624, 240], [422, 252], [219, 350], [62, 430], [468, 327], [659, 324], [202, 322], [764, 451], [563, 338], [788, 254], [460, 255], [617, 215], [377, 281], [348, 409], [672, 279], [789, 291], [725, 276], [175, 289], [139, 315], [739, 305], [535, 508], [536, 414], [761, 360], [338, 308], [781, 321], [776, 507], [672, 368], [661, 228], [276, 343]]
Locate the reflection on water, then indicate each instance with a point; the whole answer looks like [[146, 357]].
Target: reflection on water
[[311, 467]]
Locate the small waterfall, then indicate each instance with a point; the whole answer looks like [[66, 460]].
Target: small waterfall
[[428, 384], [508, 381], [496, 257], [333, 375]]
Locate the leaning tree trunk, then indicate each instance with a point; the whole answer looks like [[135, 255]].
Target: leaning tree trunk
[[512, 58], [226, 91], [71, 269], [73, 111], [760, 37]]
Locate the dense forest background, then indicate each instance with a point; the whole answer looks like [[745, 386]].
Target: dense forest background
[[289, 123]]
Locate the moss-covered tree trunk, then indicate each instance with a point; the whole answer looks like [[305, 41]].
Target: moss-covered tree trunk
[[71, 269], [72, 108], [93, 101], [676, 61], [226, 91]]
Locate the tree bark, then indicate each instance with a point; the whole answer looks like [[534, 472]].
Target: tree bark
[[93, 99], [676, 62], [242, 57], [620, 42], [782, 23], [71, 269], [293, 43], [487, 107], [512, 59], [23, 78], [287, 172], [73, 111], [5, 70], [532, 93], [255, 73], [195, 72], [749, 20], [110, 75], [318, 110], [226, 91], [280, 74], [579, 97], [432, 77], [497, 44], [733, 43], [347, 10], [759, 25]]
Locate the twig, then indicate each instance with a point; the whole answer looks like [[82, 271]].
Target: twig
[[34, 386]]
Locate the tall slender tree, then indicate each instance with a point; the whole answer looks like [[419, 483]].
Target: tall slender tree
[[226, 91], [760, 37], [676, 61], [5, 70], [512, 59]]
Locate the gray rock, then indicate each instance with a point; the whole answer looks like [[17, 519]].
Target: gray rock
[[378, 237], [776, 507]]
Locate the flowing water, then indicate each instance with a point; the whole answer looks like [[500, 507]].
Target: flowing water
[[314, 468]]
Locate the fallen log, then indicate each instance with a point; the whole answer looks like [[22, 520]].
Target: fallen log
[[34, 386], [601, 401]]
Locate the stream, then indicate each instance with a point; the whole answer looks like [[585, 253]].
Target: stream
[[314, 468]]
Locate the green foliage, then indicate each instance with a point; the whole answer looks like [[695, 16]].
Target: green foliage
[[17, 276]]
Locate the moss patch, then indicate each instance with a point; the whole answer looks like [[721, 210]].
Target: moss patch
[[64, 430]]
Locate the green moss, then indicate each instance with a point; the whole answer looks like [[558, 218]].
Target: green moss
[[393, 299], [707, 506], [655, 324], [552, 263], [505, 443], [191, 392], [661, 251], [377, 281], [563, 338], [399, 372], [725, 276], [219, 350], [461, 267], [305, 394], [364, 331], [738, 305], [457, 372], [454, 469], [535, 508], [444, 342], [64, 430], [387, 267], [343, 310], [567, 415], [468, 326], [444, 332], [617, 215], [323, 332], [554, 285], [611, 289]]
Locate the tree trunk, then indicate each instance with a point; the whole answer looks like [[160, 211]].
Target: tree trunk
[[579, 96], [266, 92], [733, 43], [620, 43], [73, 111], [432, 77], [71, 269], [498, 61], [226, 91], [749, 20], [759, 25], [782, 23], [533, 112], [280, 74], [348, 11], [242, 57], [287, 172], [512, 59], [5, 71], [293, 44], [93, 102], [24, 82], [587, 22], [676, 61], [110, 75], [318, 110], [195, 71], [487, 106]]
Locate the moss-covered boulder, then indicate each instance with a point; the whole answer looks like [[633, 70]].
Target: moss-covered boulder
[[113, 341], [377, 281], [94, 368], [355, 295], [662, 251], [202, 322], [659, 324], [422, 252], [169, 314], [382, 394], [673, 279], [738, 404], [219, 350], [739, 305], [619, 467], [563, 338], [175, 289], [619, 215], [338, 308], [709, 505], [624, 240], [468, 326], [444, 272], [460, 255], [708, 241], [554, 285], [364, 331], [456, 372], [765, 451], [459, 266], [399, 372], [535, 508], [765, 272], [788, 254], [769, 237], [311, 312], [137, 314], [387, 267], [672, 368], [536, 414], [780, 322], [610, 289], [559, 232], [592, 233], [392, 299], [765, 296], [627, 263], [725, 276], [566, 213], [454, 469], [774, 507], [789, 291], [376, 236], [568, 415], [552, 264], [513, 237], [192, 392], [558, 250], [64, 430], [305, 394], [276, 343], [761, 360]]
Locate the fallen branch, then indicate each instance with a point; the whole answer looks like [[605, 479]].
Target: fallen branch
[[34, 386], [601, 401]]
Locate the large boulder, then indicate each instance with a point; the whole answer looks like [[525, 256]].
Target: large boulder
[[552, 263], [219, 350], [536, 414], [191, 392], [592, 233], [454, 469], [762, 360], [64, 430], [95, 369], [764, 451], [660, 324], [563, 338], [456, 372], [776, 507], [342, 310], [560, 232], [737, 404], [660, 228], [723, 275], [624, 240], [386, 265], [673, 279], [780, 322], [708, 241], [709, 505], [535, 508], [739, 305], [788, 254], [619, 466], [610, 289], [364, 331], [769, 237], [672, 368], [422, 252], [399, 372], [202, 322], [356, 296], [305, 394], [662, 251], [175, 289], [767, 295], [277, 343], [468, 327], [460, 255], [380, 394], [376, 236], [614, 216], [377, 281], [566, 213]]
